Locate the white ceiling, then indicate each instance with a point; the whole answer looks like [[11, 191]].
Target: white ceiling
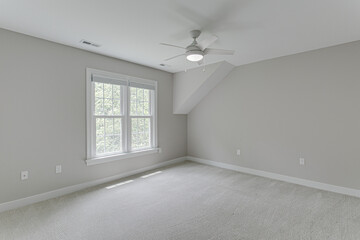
[[132, 29]]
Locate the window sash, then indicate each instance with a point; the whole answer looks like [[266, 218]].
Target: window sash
[[104, 98], [94, 135], [151, 133], [151, 101], [151, 116]]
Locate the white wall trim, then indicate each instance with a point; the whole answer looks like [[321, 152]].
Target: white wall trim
[[126, 82], [294, 180], [66, 190], [111, 158]]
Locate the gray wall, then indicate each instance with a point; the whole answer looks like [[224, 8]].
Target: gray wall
[[42, 121], [276, 111]]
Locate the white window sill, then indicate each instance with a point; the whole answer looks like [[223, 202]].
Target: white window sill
[[111, 158]]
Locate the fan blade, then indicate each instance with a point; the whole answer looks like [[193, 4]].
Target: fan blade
[[214, 22], [175, 57], [170, 45], [218, 51], [207, 42]]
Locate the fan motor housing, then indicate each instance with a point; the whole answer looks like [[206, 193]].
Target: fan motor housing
[[192, 48]]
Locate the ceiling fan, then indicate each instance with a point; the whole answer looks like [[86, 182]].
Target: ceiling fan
[[195, 52]]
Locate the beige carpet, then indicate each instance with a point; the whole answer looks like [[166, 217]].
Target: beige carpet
[[189, 201]]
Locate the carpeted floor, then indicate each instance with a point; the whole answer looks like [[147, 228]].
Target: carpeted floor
[[188, 201]]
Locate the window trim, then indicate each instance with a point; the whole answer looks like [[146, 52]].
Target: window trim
[[91, 159]]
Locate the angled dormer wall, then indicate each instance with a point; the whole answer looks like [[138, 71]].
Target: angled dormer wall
[[192, 86]]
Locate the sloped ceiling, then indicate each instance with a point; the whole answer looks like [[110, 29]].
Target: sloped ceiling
[[132, 30], [192, 86]]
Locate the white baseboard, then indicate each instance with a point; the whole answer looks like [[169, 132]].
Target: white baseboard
[[298, 181], [66, 190]]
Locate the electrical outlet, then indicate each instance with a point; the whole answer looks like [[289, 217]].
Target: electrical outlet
[[302, 161], [24, 175], [238, 152], [58, 169]]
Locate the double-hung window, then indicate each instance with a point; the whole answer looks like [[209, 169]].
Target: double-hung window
[[121, 116]]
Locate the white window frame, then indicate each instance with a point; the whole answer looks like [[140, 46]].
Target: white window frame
[[92, 158]]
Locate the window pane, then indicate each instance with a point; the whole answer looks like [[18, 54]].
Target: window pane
[[147, 109], [99, 90], [117, 143], [116, 91], [146, 94], [140, 133], [116, 107], [140, 93], [112, 144], [100, 130], [140, 108], [147, 126], [109, 126], [132, 101], [108, 90], [108, 106], [109, 144], [99, 102], [100, 146], [117, 126]]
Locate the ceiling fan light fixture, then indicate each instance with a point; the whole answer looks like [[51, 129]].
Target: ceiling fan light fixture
[[195, 56], [195, 52]]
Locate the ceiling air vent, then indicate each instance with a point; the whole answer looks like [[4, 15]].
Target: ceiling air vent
[[86, 42]]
